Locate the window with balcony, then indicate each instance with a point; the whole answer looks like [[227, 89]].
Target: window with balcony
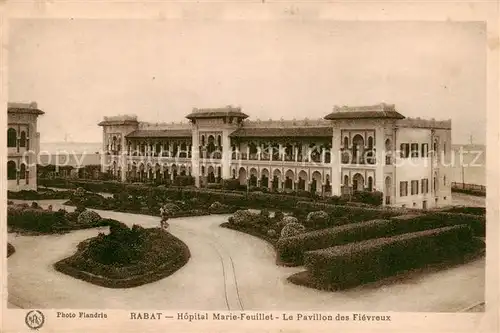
[[403, 189]]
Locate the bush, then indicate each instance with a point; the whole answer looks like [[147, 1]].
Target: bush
[[292, 229], [292, 249], [318, 219], [272, 233], [243, 217], [23, 218], [171, 207], [218, 208], [356, 263], [35, 205], [278, 215], [88, 217], [264, 212], [374, 198]]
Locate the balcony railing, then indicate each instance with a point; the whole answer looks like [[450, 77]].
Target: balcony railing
[[253, 157]]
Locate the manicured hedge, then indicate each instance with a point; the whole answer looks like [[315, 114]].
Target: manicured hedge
[[38, 195], [292, 249], [466, 210], [357, 263], [253, 199]]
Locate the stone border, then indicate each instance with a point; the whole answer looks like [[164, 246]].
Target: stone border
[[161, 272]]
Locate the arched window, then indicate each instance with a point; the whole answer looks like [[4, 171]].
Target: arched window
[[346, 180], [203, 170], [22, 142], [11, 138], [11, 170], [370, 184], [346, 142], [370, 142], [203, 140], [219, 141], [22, 171]]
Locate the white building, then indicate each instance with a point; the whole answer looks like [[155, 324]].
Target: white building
[[362, 148], [23, 145]]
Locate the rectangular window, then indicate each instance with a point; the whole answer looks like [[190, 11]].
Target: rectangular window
[[414, 150], [424, 186], [403, 189], [405, 150], [425, 150], [414, 187]]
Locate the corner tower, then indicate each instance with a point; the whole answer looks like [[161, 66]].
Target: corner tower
[[211, 150], [114, 130]]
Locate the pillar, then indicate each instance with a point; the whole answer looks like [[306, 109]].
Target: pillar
[[379, 158], [336, 180], [195, 156], [226, 155]]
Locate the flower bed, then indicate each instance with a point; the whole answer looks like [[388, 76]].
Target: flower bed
[[32, 219], [10, 249], [126, 257], [349, 265]]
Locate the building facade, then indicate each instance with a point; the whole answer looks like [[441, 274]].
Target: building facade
[[23, 145], [366, 148]]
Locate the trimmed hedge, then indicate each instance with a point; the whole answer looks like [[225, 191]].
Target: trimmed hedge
[[253, 199], [357, 263], [292, 249], [165, 254], [39, 195], [466, 210]]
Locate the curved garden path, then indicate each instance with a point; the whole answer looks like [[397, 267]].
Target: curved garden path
[[228, 270]]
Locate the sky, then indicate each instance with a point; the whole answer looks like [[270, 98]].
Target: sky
[[81, 70]]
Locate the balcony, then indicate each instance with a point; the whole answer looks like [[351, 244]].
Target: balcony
[[253, 157]]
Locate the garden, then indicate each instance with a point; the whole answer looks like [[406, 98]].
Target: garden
[[342, 247], [126, 257], [34, 220]]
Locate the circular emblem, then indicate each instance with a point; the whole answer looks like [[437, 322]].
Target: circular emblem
[[35, 319]]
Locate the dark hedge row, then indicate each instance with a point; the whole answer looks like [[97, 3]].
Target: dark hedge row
[[466, 210], [291, 250], [39, 195], [148, 255], [255, 199], [349, 265]]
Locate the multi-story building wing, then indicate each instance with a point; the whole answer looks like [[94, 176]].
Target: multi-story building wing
[[23, 145], [363, 148]]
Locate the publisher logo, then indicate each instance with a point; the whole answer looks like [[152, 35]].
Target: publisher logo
[[35, 319]]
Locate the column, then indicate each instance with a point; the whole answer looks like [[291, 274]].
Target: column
[[295, 153], [322, 155], [226, 155], [282, 156], [335, 180], [380, 161], [195, 156]]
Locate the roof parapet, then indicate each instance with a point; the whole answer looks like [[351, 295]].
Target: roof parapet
[[424, 123], [364, 108]]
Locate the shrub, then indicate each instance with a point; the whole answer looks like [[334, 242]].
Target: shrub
[[231, 184], [88, 217], [356, 263], [173, 208], [35, 205], [264, 212], [243, 217], [25, 218], [292, 229], [217, 207], [374, 198], [317, 219], [271, 233], [278, 215]]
